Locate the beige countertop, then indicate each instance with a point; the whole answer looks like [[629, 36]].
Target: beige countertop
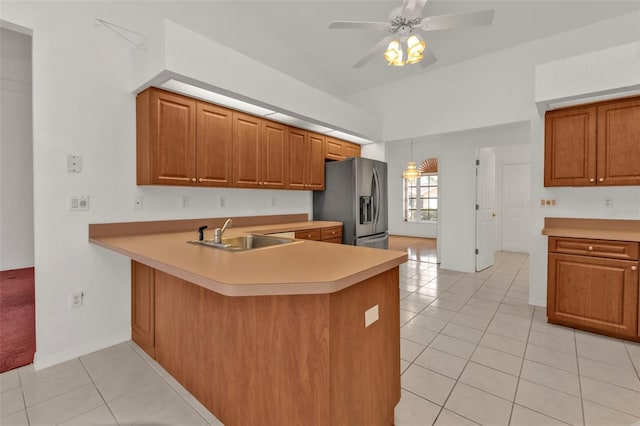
[[302, 267], [597, 229]]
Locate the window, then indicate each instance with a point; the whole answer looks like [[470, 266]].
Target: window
[[421, 198]]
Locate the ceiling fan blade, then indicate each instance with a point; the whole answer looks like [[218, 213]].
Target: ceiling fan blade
[[359, 25], [428, 58], [371, 53], [413, 8], [462, 20]]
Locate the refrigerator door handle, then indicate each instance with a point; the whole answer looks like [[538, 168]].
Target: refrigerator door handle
[[378, 194]]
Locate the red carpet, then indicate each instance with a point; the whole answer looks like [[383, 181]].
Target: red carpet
[[17, 318]]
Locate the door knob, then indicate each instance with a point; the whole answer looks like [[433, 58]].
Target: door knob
[[493, 215]]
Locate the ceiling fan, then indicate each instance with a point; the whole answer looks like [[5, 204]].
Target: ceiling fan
[[405, 45]]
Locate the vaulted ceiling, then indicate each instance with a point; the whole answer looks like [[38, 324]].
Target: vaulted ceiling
[[293, 36]]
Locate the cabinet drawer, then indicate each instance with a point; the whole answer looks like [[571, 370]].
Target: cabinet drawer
[[597, 248], [308, 234], [333, 232], [337, 240]]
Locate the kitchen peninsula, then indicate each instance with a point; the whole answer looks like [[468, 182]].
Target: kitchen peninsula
[[301, 333]]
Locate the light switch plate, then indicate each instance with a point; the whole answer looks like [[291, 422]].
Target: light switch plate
[[371, 315]]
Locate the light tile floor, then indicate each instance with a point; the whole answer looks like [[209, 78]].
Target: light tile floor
[[473, 352]]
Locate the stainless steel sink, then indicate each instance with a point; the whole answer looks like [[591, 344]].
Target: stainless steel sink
[[245, 242]]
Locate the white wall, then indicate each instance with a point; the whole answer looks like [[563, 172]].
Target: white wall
[[83, 105], [496, 89], [16, 152], [375, 151]]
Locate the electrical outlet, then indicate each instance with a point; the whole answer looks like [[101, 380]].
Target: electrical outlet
[[137, 202], [184, 201], [549, 202], [77, 299], [608, 201], [74, 163], [79, 202], [221, 201]]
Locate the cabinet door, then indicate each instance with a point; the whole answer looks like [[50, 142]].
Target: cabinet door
[[619, 143], [297, 158], [593, 293], [214, 147], [172, 138], [143, 307], [246, 150], [315, 177], [351, 150], [570, 147], [274, 155], [333, 149]]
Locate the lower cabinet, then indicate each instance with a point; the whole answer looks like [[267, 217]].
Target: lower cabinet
[[593, 288], [331, 234], [142, 306]]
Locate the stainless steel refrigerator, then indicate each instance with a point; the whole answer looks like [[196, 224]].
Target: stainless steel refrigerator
[[356, 195]]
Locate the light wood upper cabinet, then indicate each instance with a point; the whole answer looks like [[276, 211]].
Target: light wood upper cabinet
[[350, 149], [181, 141], [166, 138], [275, 150], [247, 144], [619, 142], [214, 145], [336, 149], [298, 149], [315, 162], [333, 149], [596, 144]]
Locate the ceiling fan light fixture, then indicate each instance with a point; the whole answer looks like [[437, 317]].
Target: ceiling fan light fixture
[[395, 53]]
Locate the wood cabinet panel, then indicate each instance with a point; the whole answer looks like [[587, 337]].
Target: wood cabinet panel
[[309, 234], [214, 145], [351, 150], [247, 137], [143, 306], [297, 158], [284, 360], [165, 130], [275, 166], [337, 240], [315, 162], [595, 144], [619, 142], [570, 147], [593, 293], [332, 232], [333, 149], [624, 250]]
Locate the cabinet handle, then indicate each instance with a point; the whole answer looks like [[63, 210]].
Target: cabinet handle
[[601, 180], [590, 247], [633, 268], [592, 180], [200, 180], [193, 180]]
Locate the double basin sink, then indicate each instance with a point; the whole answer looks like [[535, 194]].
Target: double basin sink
[[245, 242]]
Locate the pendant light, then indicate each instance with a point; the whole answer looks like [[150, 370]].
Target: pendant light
[[412, 172]]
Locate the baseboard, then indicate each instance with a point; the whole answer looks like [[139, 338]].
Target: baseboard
[[41, 362]]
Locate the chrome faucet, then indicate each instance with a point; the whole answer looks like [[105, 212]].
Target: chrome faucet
[[217, 233]]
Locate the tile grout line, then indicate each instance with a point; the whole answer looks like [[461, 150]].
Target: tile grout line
[[99, 393]]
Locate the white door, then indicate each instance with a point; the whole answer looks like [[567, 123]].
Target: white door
[[516, 207], [486, 230]]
